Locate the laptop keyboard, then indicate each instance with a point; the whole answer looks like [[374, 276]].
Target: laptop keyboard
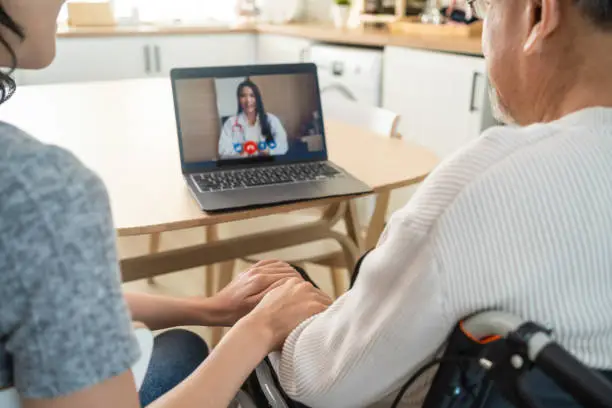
[[263, 176]]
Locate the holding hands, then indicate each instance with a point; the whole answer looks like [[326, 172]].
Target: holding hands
[[283, 309], [274, 298], [248, 289]]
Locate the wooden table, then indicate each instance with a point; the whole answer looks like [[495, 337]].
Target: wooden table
[[126, 132]]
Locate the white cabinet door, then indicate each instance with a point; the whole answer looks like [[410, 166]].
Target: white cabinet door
[[442, 98], [278, 49], [92, 59], [202, 51]]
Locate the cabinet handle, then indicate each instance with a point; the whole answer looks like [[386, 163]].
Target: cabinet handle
[[147, 56], [303, 54], [473, 107], [157, 59]]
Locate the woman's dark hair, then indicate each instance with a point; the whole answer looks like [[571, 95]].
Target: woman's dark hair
[[266, 129], [7, 84]]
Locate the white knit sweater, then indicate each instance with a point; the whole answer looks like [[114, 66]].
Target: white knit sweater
[[520, 220]]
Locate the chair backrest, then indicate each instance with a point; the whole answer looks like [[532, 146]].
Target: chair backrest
[[378, 120], [9, 398], [375, 119]]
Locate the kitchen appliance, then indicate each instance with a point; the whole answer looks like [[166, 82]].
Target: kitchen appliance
[[349, 72]]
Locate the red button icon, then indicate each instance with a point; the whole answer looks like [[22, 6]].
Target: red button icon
[[250, 148]]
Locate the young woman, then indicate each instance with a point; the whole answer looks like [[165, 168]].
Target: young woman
[[253, 131], [66, 337]]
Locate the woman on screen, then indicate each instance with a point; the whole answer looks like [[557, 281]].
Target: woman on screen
[[253, 131]]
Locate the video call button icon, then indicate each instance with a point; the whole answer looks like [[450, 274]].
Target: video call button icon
[[250, 147]]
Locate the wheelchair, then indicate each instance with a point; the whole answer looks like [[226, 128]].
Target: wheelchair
[[488, 354]]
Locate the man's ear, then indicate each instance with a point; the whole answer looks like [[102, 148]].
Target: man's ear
[[545, 18]]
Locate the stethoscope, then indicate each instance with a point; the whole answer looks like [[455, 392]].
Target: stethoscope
[[249, 147]]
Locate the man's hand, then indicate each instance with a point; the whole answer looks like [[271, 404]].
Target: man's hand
[[285, 308], [248, 289]]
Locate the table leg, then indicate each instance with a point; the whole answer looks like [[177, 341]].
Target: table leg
[[353, 228], [154, 245], [225, 273], [210, 272], [377, 222], [338, 281]]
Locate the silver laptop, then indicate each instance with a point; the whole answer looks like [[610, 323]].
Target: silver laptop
[[253, 135]]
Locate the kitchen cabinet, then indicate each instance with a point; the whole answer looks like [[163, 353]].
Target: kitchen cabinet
[[91, 59], [442, 98], [201, 51], [110, 58], [279, 49]]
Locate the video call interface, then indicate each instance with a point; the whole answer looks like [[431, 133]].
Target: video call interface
[[247, 117]]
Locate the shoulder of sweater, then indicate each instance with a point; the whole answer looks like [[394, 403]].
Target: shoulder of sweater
[[465, 167]]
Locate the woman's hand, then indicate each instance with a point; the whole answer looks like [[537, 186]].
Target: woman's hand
[[285, 308], [249, 288]]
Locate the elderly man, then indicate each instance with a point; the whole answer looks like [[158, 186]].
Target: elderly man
[[520, 220]]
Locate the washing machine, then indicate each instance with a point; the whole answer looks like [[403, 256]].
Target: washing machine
[[354, 73]]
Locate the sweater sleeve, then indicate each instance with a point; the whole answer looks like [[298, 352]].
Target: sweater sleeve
[[376, 335]]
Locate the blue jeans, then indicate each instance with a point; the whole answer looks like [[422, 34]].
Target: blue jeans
[[176, 354]]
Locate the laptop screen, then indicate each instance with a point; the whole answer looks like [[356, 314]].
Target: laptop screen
[[262, 114]]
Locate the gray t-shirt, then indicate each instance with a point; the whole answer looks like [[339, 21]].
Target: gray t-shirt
[[64, 325]]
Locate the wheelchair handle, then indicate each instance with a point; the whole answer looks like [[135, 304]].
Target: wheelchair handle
[[587, 386]]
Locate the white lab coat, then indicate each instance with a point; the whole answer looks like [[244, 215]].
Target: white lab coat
[[237, 130]]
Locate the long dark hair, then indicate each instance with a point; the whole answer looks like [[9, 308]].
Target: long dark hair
[[266, 129], [7, 84]]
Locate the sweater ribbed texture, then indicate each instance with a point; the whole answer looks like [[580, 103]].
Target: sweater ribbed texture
[[520, 221]]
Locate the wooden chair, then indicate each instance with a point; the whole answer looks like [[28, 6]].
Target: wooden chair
[[211, 234]]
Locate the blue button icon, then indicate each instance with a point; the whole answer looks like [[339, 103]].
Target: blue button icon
[[238, 147], [262, 146], [272, 144]]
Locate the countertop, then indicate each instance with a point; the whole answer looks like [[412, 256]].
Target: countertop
[[316, 32], [376, 38], [149, 29]]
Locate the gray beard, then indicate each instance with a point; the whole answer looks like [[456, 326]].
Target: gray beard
[[499, 111]]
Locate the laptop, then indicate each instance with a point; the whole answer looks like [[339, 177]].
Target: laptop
[[253, 136]]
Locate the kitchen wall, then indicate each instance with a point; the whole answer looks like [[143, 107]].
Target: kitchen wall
[[318, 10]]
